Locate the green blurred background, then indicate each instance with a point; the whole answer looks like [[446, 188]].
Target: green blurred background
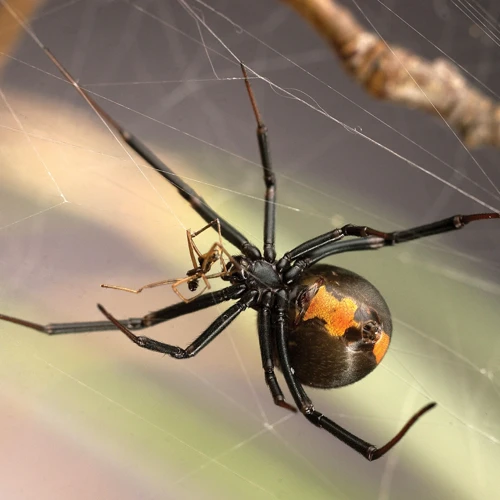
[[89, 416]]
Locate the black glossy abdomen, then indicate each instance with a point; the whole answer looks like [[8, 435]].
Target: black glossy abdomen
[[339, 335]]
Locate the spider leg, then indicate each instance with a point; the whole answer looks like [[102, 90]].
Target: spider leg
[[201, 272], [414, 233], [229, 232], [442, 226], [369, 451], [206, 265], [144, 287], [201, 302], [192, 248], [215, 224], [266, 351], [369, 243], [269, 177], [151, 319], [188, 279], [219, 325], [187, 192]]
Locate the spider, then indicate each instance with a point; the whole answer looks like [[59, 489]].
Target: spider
[[199, 270], [320, 325]]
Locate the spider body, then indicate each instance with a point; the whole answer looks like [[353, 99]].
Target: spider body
[[340, 327], [258, 275], [205, 262], [193, 285], [323, 326], [339, 324]]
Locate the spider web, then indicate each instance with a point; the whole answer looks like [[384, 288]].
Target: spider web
[[92, 415]]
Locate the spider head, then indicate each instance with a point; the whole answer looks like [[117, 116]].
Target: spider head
[[340, 327]]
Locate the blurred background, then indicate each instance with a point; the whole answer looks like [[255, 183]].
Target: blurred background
[[92, 415]]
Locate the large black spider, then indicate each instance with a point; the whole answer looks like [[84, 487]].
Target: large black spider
[[321, 325]]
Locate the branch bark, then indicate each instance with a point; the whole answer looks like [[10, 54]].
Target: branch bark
[[395, 74]]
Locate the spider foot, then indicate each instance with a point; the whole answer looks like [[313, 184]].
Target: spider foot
[[280, 401], [278, 398]]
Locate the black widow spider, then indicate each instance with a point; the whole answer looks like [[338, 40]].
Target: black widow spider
[[321, 325]]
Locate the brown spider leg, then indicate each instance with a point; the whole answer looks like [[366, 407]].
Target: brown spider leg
[[193, 247], [206, 258], [266, 352], [214, 224], [154, 318], [369, 451], [201, 273], [217, 327], [205, 266], [222, 262], [174, 282], [144, 287], [269, 177], [218, 246], [187, 279]]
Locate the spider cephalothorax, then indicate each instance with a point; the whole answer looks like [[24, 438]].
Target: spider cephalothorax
[[322, 325]]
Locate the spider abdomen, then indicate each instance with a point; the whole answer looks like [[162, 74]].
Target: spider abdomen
[[340, 327]]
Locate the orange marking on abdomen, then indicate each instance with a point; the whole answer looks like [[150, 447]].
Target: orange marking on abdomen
[[338, 315], [381, 346]]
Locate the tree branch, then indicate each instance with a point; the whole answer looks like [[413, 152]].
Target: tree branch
[[395, 74]]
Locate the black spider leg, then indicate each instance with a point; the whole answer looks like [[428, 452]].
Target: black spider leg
[[266, 351], [442, 226], [154, 318], [305, 405], [368, 243], [335, 247], [269, 177], [200, 342], [229, 232]]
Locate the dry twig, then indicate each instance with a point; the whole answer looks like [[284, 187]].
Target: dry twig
[[393, 73], [11, 31]]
